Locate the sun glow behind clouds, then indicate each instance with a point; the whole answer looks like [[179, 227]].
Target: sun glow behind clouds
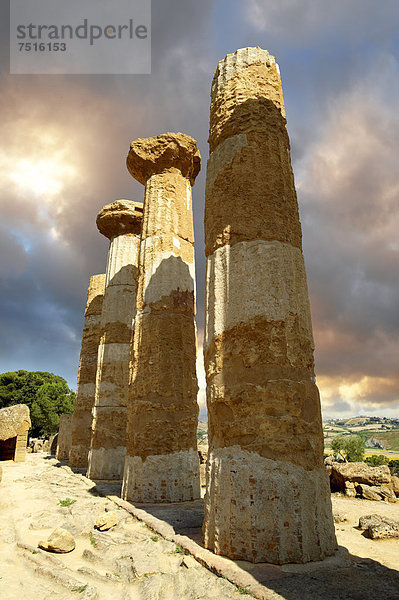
[[41, 177]]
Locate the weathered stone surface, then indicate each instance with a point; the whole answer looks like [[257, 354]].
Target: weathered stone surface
[[64, 441], [395, 484], [106, 521], [265, 468], [369, 492], [358, 472], [350, 489], [60, 541], [379, 527], [14, 420], [117, 219], [162, 462], [86, 388], [121, 222], [387, 493], [168, 152]]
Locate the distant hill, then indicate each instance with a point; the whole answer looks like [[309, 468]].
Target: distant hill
[[381, 433]]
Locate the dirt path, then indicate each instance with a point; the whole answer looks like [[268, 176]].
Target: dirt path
[[133, 562], [128, 562]]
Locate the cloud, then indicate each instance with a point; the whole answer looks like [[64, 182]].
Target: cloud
[[302, 22], [65, 141], [349, 197]]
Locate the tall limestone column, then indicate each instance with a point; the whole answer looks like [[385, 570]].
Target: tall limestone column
[[121, 222], [162, 462], [267, 497], [86, 388]]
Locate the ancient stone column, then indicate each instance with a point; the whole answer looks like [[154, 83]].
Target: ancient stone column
[[64, 437], [162, 463], [267, 497], [86, 388], [121, 222]]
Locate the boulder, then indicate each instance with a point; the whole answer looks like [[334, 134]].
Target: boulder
[[14, 420], [387, 493], [386, 529], [350, 489], [369, 492], [367, 520], [60, 541], [379, 527], [395, 485], [1, 474], [106, 521], [358, 473]]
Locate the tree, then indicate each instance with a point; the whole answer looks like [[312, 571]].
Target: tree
[[375, 460], [351, 446], [47, 396]]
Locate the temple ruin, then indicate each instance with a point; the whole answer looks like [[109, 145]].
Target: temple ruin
[[86, 388], [162, 463], [14, 425], [267, 492], [64, 438], [267, 496], [121, 223]]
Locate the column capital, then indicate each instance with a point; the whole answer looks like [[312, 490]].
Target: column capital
[[120, 217], [165, 152]]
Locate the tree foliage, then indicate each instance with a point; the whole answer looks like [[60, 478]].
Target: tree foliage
[[351, 446], [376, 460], [47, 395]]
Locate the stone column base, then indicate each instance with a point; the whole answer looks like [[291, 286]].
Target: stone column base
[[106, 463], [78, 457], [262, 510], [162, 478]]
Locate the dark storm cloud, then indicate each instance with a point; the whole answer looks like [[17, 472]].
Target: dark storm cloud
[[65, 141], [72, 134]]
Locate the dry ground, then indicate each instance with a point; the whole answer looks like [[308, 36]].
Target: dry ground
[[132, 562]]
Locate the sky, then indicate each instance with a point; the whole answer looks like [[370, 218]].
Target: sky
[[64, 141]]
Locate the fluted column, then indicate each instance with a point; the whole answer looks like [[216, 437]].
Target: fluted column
[[121, 222], [86, 387], [267, 497], [162, 460]]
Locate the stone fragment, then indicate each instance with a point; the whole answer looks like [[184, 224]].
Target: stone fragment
[[37, 446], [14, 425], [121, 223], [367, 520], [60, 541], [379, 527], [395, 485], [369, 492], [386, 529], [162, 463], [267, 497], [387, 493], [86, 387], [350, 489], [106, 521], [64, 437], [340, 517], [358, 472]]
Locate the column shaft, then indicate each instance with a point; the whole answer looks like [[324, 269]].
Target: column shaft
[[162, 462], [86, 387], [108, 443], [267, 493]]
